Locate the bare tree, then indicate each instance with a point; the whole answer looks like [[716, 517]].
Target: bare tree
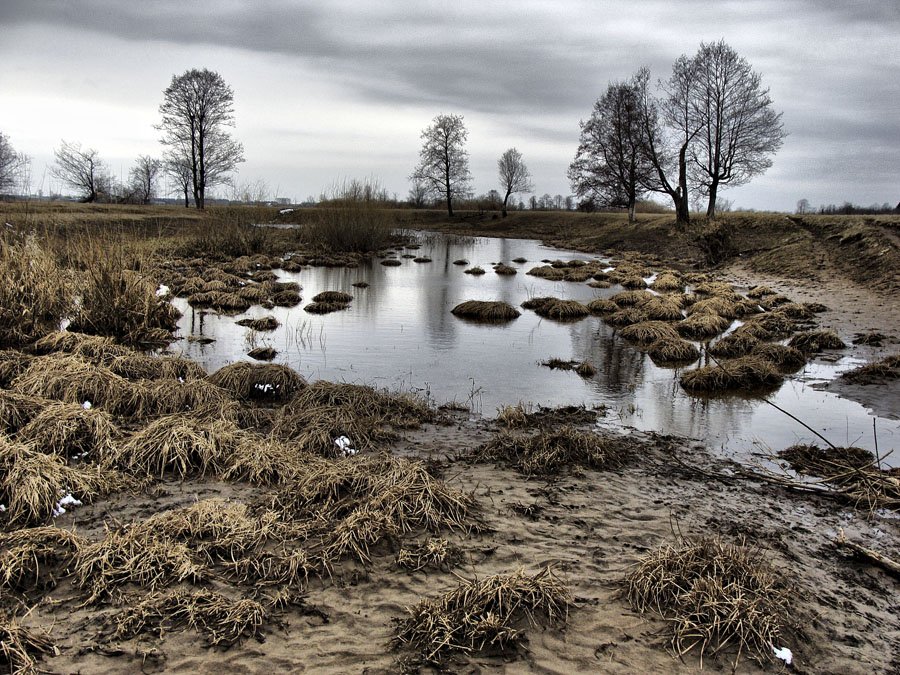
[[82, 170], [143, 178], [611, 167], [13, 167], [514, 175], [418, 194], [197, 108], [178, 166], [739, 129], [803, 206], [443, 161]]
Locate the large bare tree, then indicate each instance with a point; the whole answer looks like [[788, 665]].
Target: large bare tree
[[443, 161], [143, 178], [80, 169], [514, 175], [739, 129], [13, 166], [197, 109], [610, 166]]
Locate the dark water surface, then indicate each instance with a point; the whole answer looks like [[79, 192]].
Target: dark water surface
[[399, 334]]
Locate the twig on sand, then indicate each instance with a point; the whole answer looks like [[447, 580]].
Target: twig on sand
[[868, 554]]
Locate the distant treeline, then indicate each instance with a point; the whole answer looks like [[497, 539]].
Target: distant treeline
[[847, 209]]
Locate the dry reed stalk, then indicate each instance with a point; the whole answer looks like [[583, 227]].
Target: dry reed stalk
[[21, 649], [219, 619], [33, 559], [549, 451], [480, 614], [716, 596], [487, 311], [270, 382]]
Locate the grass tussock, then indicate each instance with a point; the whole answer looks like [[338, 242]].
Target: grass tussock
[[716, 596], [134, 555], [12, 364], [602, 306], [34, 559], [785, 359], [326, 307], [702, 326], [646, 333], [504, 270], [263, 353], [887, 368], [582, 368], [179, 445], [734, 345], [17, 410], [219, 619], [35, 292], [486, 311], [662, 309], [326, 410], [512, 416], [768, 326], [482, 614], [21, 649], [434, 553], [67, 429], [94, 348], [557, 309], [333, 296], [264, 461], [265, 323], [144, 367], [633, 298], [550, 451], [815, 341], [393, 262], [724, 307], [747, 373], [625, 317], [668, 351], [267, 382], [70, 378], [476, 271], [547, 272], [667, 281]]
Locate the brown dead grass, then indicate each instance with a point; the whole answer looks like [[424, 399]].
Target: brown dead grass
[[486, 311]]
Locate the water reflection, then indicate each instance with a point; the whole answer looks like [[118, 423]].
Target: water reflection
[[399, 333]]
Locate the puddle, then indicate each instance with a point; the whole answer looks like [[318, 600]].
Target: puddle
[[399, 334]]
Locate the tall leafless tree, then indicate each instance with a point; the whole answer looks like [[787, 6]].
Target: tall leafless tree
[[13, 166], [443, 161], [80, 169], [144, 177], [514, 175], [197, 109], [610, 166], [739, 129]]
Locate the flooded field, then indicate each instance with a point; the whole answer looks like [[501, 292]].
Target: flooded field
[[399, 334]]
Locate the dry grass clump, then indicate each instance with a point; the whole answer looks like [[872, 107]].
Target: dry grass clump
[[422, 259], [717, 288], [435, 552], [815, 341], [264, 461], [560, 310], [667, 281], [12, 364], [229, 303], [504, 270], [632, 298], [221, 620], [582, 368], [770, 302], [144, 367], [632, 281], [481, 614], [547, 272], [625, 317], [768, 326], [511, 416], [702, 326], [17, 410], [745, 373], [179, 445], [35, 293], [326, 307], [760, 291], [333, 296], [824, 462], [460, 261], [33, 559], [263, 353], [89, 347], [152, 398], [135, 555], [646, 333], [549, 451], [472, 270], [325, 410], [871, 373], [251, 381], [255, 293], [21, 649], [265, 323], [786, 359], [67, 429], [602, 306], [734, 345], [69, 378], [724, 307], [669, 351], [796, 311], [716, 596], [286, 298], [662, 309], [487, 311], [393, 262]]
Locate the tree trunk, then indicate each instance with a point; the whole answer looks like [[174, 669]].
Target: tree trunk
[[711, 209], [631, 202], [505, 200], [682, 208], [187, 204]]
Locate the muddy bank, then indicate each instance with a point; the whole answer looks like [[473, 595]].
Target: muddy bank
[[589, 525]]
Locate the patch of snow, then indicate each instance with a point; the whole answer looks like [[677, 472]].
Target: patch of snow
[[345, 446], [162, 291], [286, 211], [87, 405], [61, 505], [784, 654]]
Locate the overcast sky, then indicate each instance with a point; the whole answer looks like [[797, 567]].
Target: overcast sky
[[341, 89]]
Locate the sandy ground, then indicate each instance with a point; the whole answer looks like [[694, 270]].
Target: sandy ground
[[852, 309], [589, 525]]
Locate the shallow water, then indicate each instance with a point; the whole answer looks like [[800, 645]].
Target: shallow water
[[399, 334]]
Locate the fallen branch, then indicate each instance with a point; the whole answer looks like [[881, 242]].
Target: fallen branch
[[868, 554]]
